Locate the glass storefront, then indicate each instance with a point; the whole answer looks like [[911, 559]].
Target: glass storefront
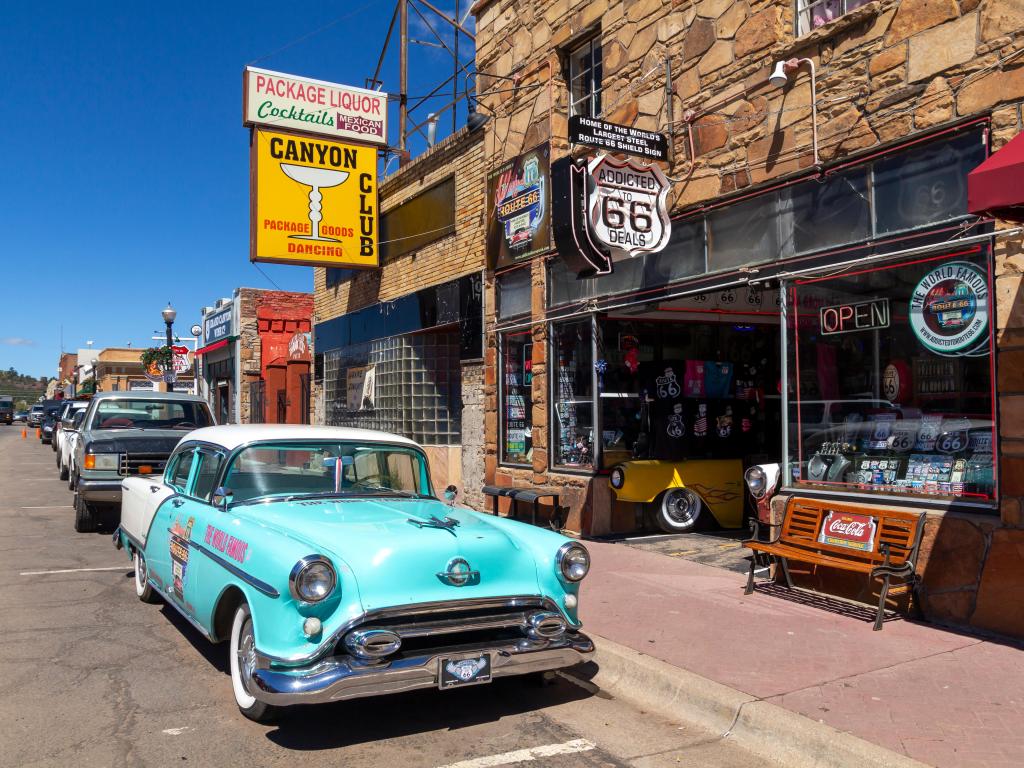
[[517, 398], [890, 379], [572, 370]]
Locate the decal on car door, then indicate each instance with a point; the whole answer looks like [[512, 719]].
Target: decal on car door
[[179, 555]]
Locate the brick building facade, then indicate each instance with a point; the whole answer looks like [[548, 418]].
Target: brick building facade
[[251, 374], [903, 89], [399, 347]]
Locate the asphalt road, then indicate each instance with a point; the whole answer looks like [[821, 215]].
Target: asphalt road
[[90, 676]]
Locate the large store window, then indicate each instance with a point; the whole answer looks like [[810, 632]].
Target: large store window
[[890, 379], [572, 371], [516, 400], [702, 386]]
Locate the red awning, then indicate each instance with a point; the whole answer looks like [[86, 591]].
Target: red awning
[[994, 188], [211, 347]]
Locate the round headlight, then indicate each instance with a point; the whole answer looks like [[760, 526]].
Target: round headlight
[[573, 561], [757, 481], [618, 477], [312, 579]]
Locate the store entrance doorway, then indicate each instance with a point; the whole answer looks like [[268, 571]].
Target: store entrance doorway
[[689, 398]]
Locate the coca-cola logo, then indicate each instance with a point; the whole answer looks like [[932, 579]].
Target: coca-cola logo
[[844, 529], [850, 528]]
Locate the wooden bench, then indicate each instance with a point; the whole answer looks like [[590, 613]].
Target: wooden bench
[[889, 549], [528, 495]]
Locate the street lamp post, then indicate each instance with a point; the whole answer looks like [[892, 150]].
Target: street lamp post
[[169, 314]]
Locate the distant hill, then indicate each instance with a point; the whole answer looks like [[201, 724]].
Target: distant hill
[[14, 383]]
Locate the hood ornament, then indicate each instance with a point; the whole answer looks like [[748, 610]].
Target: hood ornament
[[448, 524]]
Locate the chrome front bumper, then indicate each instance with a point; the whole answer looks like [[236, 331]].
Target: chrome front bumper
[[340, 678]]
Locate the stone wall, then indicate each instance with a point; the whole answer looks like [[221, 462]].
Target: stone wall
[[472, 436], [887, 72]]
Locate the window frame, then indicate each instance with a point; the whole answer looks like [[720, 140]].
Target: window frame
[[502, 410], [806, 7], [887, 494], [554, 400], [172, 468], [580, 50], [203, 452]]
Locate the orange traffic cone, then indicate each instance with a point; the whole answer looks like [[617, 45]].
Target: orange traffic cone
[[24, 433], [39, 433]]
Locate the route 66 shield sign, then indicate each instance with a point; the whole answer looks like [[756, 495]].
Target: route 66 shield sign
[[626, 207]]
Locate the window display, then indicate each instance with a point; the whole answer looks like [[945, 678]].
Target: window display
[[690, 388], [890, 379], [516, 398], [573, 372]]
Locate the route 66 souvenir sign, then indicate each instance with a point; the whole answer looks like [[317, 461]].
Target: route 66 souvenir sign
[[626, 206]]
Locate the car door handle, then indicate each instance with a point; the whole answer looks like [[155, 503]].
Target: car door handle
[[178, 502], [154, 488]]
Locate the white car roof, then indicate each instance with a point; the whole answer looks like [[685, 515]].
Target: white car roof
[[231, 436]]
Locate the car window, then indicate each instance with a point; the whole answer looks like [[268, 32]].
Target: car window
[[141, 413], [327, 467], [206, 476], [180, 470]]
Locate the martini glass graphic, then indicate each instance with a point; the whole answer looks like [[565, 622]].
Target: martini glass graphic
[[316, 179]]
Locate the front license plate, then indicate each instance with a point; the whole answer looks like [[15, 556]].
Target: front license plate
[[457, 672]]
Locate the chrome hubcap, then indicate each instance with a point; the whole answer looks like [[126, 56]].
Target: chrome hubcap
[[682, 507], [140, 569], [246, 655]]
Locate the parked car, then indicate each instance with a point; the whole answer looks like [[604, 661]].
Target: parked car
[[123, 434], [6, 409], [65, 429], [72, 433], [51, 409], [35, 415], [324, 559], [21, 416]]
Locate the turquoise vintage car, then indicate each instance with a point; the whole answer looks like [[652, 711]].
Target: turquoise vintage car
[[324, 559]]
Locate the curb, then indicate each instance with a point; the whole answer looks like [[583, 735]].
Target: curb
[[760, 727]]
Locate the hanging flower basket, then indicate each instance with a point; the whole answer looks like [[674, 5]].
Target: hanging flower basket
[[157, 359]]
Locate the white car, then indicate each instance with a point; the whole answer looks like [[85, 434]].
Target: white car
[[67, 440]]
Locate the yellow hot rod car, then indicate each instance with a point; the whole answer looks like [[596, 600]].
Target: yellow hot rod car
[[676, 494]]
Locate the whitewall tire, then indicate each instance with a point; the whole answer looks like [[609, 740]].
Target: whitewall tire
[[242, 657], [143, 589], [678, 510]]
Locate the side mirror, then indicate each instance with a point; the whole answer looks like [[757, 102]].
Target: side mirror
[[67, 423], [79, 417], [449, 495], [221, 498]]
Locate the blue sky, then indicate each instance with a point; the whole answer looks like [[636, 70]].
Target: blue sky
[[125, 176]]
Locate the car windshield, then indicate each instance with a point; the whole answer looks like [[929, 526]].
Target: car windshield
[[325, 469], [140, 413]]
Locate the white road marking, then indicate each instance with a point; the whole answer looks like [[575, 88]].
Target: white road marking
[[526, 755], [176, 731], [76, 570]]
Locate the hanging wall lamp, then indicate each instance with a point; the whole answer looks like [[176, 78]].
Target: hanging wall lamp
[[780, 77]]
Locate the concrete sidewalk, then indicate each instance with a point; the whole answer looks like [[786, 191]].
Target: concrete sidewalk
[[943, 698]]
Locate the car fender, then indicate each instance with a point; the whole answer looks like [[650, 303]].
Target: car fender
[[718, 482]]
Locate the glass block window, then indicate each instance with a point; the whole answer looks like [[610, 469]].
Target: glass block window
[[585, 79], [410, 385]]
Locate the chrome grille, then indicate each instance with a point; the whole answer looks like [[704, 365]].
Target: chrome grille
[[453, 625], [130, 463]]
